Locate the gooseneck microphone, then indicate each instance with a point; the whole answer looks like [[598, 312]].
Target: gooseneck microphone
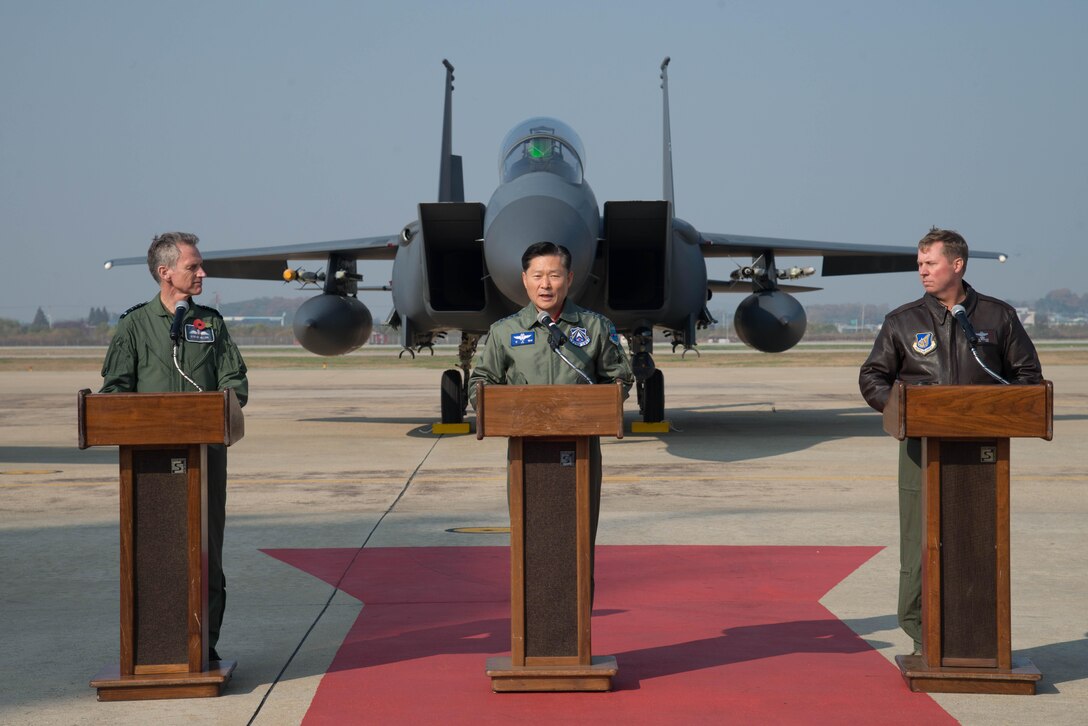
[[972, 340], [179, 315], [555, 335], [175, 335], [557, 340], [961, 315]]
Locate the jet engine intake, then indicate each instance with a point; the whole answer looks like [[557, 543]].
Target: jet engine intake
[[332, 324], [770, 321]]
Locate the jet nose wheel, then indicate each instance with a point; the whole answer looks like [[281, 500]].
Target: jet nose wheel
[[453, 403]]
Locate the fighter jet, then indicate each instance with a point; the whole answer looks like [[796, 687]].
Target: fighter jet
[[457, 266]]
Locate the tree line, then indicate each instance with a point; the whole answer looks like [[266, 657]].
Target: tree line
[[1059, 314]]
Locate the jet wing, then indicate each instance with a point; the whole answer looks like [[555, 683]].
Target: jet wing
[[839, 258], [746, 287], [268, 263]]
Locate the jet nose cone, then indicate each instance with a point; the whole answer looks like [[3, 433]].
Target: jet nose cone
[[529, 220]]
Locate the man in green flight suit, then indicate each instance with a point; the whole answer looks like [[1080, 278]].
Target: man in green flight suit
[[517, 350], [141, 358]]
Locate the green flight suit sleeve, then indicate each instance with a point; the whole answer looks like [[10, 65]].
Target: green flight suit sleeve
[[612, 363], [490, 368], [119, 366], [232, 369]]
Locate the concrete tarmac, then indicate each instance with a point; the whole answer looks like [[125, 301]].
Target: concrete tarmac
[[344, 458]]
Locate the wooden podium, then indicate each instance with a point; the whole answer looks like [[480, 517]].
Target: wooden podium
[[550, 430], [966, 611], [163, 440]]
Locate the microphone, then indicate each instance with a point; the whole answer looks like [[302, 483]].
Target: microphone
[[179, 314], [972, 340], [961, 316], [556, 340], [555, 335]]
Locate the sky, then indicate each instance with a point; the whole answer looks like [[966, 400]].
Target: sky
[[256, 123]]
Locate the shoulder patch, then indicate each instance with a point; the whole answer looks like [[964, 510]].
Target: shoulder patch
[[137, 306], [579, 336]]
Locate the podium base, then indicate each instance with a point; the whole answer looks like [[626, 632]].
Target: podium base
[[112, 686], [1020, 681], [506, 678]]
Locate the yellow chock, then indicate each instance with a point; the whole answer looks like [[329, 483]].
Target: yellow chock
[[647, 427], [451, 428]]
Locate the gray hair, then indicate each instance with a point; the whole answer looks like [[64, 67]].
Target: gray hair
[[164, 250]]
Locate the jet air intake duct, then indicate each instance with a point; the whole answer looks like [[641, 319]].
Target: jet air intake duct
[[771, 321], [332, 324]]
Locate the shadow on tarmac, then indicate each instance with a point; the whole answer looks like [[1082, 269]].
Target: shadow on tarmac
[[57, 455], [737, 645], [1059, 663], [774, 431]]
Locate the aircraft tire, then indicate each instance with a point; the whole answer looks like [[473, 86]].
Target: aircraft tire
[[453, 410], [653, 408]]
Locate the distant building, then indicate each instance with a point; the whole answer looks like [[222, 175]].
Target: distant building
[[279, 320]]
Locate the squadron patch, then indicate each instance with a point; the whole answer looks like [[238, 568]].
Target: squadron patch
[[924, 343], [579, 336], [613, 335], [527, 337], [198, 332]]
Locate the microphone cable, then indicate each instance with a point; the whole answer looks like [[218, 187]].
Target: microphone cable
[[960, 313], [993, 375], [183, 374], [573, 367]]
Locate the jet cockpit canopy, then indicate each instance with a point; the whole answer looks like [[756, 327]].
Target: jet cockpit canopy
[[542, 144]]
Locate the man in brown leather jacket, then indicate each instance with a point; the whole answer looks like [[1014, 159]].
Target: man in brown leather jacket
[[922, 342]]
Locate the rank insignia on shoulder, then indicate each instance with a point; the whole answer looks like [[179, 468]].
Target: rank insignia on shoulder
[[201, 334], [579, 336], [924, 343], [527, 337], [134, 307]]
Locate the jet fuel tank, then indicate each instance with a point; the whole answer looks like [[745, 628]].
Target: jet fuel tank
[[331, 324], [770, 321]]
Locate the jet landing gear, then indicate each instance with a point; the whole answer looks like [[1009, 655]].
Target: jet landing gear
[[649, 381], [454, 388]]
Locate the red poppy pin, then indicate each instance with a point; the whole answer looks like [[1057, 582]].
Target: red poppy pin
[[199, 324]]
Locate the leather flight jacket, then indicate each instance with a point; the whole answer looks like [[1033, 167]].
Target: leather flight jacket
[[922, 342]]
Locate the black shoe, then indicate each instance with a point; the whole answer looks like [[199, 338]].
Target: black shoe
[[212, 655]]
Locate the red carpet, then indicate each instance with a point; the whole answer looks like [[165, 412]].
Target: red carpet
[[702, 635]]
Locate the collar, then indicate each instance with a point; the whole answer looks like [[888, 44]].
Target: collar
[[527, 316], [156, 305], [940, 311]]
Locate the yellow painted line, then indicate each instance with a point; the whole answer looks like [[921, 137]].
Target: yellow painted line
[[29, 472]]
